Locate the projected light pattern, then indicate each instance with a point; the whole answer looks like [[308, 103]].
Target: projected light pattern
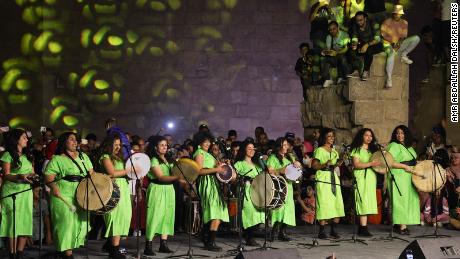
[[86, 46]]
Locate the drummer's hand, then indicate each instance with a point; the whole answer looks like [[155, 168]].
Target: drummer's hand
[[220, 169], [297, 164], [183, 183], [24, 178], [55, 191], [375, 163]]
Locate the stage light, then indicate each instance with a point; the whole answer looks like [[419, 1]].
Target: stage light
[[170, 125]]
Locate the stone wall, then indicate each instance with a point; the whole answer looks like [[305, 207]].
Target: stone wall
[[361, 104]]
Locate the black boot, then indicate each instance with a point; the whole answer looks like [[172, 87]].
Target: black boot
[[322, 234], [211, 244], [164, 247], [114, 253], [274, 232], [19, 254], [148, 248], [334, 233], [250, 241], [282, 235], [64, 256], [364, 232], [107, 246], [205, 234], [12, 256]]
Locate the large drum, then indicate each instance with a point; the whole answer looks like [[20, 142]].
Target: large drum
[[293, 173], [382, 168], [186, 167], [228, 175], [432, 176], [107, 189], [137, 164], [276, 191]]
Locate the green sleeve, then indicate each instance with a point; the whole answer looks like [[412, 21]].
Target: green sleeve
[[318, 154], [272, 162], [154, 162], [87, 161], [6, 157], [395, 150], [53, 166], [355, 152]]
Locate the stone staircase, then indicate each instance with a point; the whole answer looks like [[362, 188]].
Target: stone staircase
[[357, 104]]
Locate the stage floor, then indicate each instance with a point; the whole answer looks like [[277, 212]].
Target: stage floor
[[302, 234]]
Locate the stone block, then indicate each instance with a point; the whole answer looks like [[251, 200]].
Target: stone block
[[378, 65], [393, 93], [281, 86], [284, 112], [242, 31], [367, 112], [238, 97], [263, 17], [240, 124], [357, 90], [252, 111], [286, 99], [396, 111], [342, 121]]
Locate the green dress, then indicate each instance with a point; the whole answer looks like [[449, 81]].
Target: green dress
[[118, 220], [161, 204], [286, 213], [212, 204], [251, 215], [24, 201], [366, 180], [406, 207], [69, 228], [328, 205]]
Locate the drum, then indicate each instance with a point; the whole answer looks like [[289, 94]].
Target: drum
[[377, 156], [276, 191], [188, 167], [430, 171], [107, 189], [141, 162], [228, 175], [293, 173]]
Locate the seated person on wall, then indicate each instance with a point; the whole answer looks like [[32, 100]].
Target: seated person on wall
[[433, 53], [395, 41], [365, 42], [335, 54], [303, 67], [376, 10]]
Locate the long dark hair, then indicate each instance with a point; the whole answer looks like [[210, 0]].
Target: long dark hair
[[202, 137], [407, 135], [241, 155], [11, 146], [322, 136], [151, 149], [61, 149], [107, 147], [358, 141], [278, 146]]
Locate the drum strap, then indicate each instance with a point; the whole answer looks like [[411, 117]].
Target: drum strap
[[73, 178], [409, 163], [75, 162], [156, 181], [333, 186]]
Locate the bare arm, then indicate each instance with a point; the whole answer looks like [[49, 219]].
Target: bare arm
[[161, 177], [316, 164], [17, 178], [199, 159], [109, 168], [358, 165], [49, 179]]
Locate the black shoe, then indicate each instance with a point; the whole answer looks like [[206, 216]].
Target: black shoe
[[251, 242], [211, 246], [164, 247], [364, 232], [404, 231], [322, 235], [148, 248], [106, 247], [334, 234], [282, 235], [11, 256], [274, 232], [19, 254], [115, 253], [64, 256]]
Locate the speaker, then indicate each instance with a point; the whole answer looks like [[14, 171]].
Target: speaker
[[289, 253], [437, 248]]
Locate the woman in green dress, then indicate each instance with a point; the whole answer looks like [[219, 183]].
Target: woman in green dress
[[405, 207], [63, 176], [213, 205], [247, 166], [18, 172], [161, 199], [362, 148], [276, 164], [118, 220], [329, 202]]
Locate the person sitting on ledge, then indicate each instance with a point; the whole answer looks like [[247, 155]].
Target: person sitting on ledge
[[335, 54], [395, 41]]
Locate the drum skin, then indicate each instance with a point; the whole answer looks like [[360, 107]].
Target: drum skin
[[189, 168], [377, 156], [428, 169], [104, 186]]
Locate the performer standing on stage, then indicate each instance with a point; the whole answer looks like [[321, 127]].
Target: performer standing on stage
[[17, 169], [247, 167], [118, 220], [406, 207], [213, 204], [161, 198], [329, 201], [276, 164], [67, 169], [362, 147]]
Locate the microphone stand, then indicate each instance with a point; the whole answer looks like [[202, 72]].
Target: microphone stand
[[88, 176], [240, 199], [433, 195], [390, 237], [189, 253], [265, 246]]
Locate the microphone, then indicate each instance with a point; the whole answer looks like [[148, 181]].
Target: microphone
[[377, 144], [262, 163]]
